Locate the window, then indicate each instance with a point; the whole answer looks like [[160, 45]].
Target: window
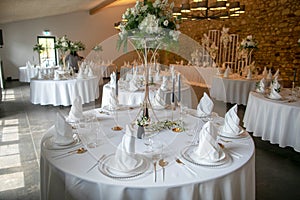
[[48, 56]]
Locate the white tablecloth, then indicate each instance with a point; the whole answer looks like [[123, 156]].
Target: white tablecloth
[[126, 97], [199, 76], [273, 120], [27, 73], [63, 92], [67, 178], [232, 90]]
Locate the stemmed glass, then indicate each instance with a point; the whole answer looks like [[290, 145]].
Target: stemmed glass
[[117, 127], [194, 133]]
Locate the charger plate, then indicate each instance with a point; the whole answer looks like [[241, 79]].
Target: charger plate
[[50, 144], [186, 152], [105, 167], [242, 134]]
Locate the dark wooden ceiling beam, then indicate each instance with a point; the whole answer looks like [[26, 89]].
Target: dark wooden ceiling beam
[[100, 6]]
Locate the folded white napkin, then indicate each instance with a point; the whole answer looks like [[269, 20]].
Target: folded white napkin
[[249, 75], [269, 76], [164, 85], [157, 76], [265, 72], [91, 73], [218, 71], [64, 134], [275, 90], [132, 85], [80, 73], [113, 78], [40, 75], [208, 148], [56, 75], [226, 73], [158, 101], [231, 124], [260, 87], [86, 70], [76, 113], [125, 159], [205, 106]]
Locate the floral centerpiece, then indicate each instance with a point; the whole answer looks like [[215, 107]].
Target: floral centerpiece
[[64, 45], [149, 26], [249, 43], [151, 20], [39, 48]]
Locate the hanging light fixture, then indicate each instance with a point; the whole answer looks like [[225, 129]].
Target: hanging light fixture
[[211, 9]]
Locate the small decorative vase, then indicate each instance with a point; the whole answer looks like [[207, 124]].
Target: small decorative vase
[[140, 132]]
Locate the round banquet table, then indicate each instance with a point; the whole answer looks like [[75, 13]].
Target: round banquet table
[[129, 98], [200, 76], [67, 177], [276, 121], [63, 92], [27, 73], [232, 90]]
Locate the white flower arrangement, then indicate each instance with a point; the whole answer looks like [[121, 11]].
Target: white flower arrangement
[[64, 44], [249, 43], [147, 19]]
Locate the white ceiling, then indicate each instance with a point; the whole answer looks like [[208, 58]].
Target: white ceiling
[[16, 10]]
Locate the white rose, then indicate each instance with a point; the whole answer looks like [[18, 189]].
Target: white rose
[[166, 22]]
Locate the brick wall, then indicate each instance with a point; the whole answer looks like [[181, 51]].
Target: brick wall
[[274, 23]]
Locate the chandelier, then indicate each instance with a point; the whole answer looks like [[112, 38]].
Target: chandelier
[[209, 9]]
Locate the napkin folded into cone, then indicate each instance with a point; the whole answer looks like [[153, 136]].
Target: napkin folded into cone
[[276, 75], [275, 90], [63, 131], [91, 73], [76, 113], [205, 106], [164, 85], [132, 86], [125, 159], [249, 74], [208, 148], [112, 81], [231, 123], [269, 76], [265, 72], [158, 101], [113, 100], [260, 87], [80, 73], [226, 73]]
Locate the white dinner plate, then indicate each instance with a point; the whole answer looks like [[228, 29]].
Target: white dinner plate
[[105, 167], [242, 134], [49, 143], [194, 113], [186, 152]]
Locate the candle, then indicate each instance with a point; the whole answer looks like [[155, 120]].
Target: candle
[[173, 90], [179, 88]]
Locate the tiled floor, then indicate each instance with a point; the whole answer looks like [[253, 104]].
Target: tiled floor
[[22, 125]]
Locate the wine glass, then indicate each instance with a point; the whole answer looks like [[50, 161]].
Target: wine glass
[[148, 142]]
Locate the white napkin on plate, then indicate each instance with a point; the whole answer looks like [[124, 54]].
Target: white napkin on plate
[[232, 121], [76, 113], [56, 75], [125, 159], [260, 87], [249, 75], [91, 73], [132, 85], [80, 73], [64, 134], [164, 85], [269, 76], [158, 101], [265, 72], [226, 73], [275, 90], [113, 78], [205, 106], [208, 148]]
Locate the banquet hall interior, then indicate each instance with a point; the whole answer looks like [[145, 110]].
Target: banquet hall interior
[[213, 58]]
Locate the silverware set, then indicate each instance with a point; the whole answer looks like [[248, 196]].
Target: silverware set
[[76, 151]]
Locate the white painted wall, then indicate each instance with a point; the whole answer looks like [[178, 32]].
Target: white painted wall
[[20, 37]]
